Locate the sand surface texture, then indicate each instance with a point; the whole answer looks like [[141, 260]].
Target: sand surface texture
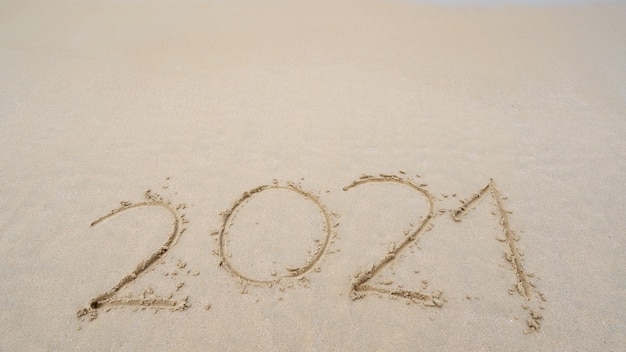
[[327, 176]]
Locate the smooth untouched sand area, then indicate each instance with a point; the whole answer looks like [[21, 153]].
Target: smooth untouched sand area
[[323, 175]]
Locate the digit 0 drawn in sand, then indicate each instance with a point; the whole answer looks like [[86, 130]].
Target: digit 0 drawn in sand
[[523, 286], [359, 286], [108, 298], [291, 272]]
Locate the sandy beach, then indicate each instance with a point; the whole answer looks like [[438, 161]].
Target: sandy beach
[[312, 176]]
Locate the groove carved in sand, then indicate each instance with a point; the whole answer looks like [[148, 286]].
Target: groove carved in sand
[[108, 299], [229, 215], [360, 286], [523, 286]]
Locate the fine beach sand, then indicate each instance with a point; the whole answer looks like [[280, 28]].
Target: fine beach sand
[[315, 175]]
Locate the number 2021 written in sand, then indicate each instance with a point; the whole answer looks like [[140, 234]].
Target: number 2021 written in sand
[[361, 284]]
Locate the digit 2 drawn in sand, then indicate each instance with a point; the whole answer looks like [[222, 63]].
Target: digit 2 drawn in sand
[[513, 256], [359, 286], [107, 299], [229, 216]]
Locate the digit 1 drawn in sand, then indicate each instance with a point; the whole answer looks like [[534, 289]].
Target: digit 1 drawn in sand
[[310, 263], [513, 256], [107, 299], [359, 286]]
